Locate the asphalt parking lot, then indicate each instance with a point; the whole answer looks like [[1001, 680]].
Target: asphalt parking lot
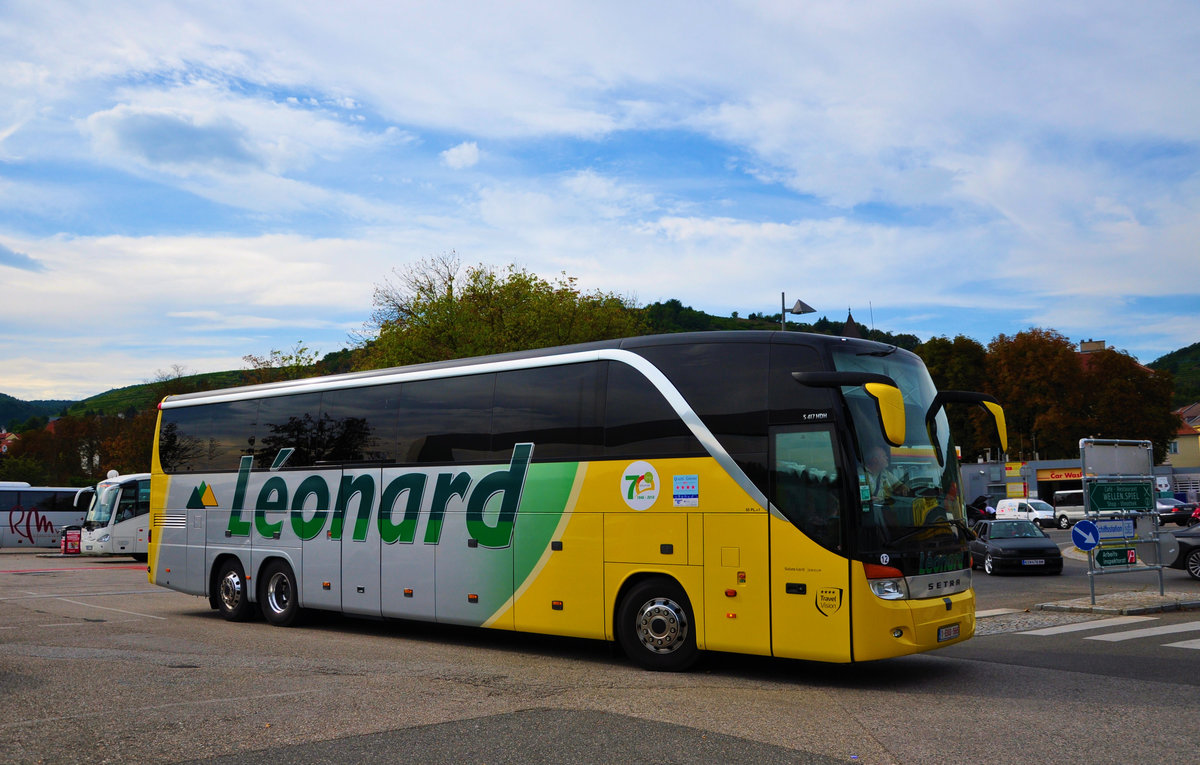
[[98, 666]]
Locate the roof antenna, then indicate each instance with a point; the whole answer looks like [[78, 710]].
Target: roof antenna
[[872, 309]]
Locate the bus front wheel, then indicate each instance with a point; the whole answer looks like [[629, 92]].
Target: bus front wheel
[[656, 628], [233, 600], [278, 594]]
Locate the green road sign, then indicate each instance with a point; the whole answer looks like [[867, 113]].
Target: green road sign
[[1121, 496], [1116, 556]]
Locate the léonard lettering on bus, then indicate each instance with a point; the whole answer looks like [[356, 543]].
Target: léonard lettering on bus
[[398, 508]]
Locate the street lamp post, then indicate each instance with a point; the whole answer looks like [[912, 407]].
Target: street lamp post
[[799, 308]]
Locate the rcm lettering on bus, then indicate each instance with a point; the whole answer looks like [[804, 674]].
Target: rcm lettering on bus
[[273, 496]]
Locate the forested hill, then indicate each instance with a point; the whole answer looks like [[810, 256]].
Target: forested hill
[[13, 411], [1185, 365]]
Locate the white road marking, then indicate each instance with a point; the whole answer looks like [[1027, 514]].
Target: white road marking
[[1184, 644], [1166, 629], [1115, 621], [119, 611]]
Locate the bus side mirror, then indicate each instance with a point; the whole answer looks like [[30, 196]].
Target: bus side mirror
[[889, 402], [989, 403]]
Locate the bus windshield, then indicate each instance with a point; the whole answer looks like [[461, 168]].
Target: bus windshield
[[910, 494], [103, 503]]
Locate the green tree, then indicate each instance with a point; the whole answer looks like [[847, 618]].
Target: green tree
[[436, 310], [295, 364]]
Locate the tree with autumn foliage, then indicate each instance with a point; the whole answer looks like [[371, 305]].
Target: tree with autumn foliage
[[1037, 377], [1053, 396], [436, 310]]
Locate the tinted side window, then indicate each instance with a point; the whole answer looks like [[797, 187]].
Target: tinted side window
[[726, 384], [558, 409], [289, 422], [446, 421], [639, 421], [358, 425], [42, 501], [210, 437], [806, 487]]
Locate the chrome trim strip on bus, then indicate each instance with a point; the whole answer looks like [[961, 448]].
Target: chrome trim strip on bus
[[629, 358]]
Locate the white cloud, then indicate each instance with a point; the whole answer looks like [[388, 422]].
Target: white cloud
[[465, 155], [259, 167]]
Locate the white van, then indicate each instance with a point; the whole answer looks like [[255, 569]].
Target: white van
[[1068, 507], [1026, 509]]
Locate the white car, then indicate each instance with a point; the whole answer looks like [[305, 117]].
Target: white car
[[1027, 510]]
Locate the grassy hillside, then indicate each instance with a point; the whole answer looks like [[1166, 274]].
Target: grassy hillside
[[1185, 365], [138, 397], [14, 411]]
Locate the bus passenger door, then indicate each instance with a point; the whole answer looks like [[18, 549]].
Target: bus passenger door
[[810, 583]]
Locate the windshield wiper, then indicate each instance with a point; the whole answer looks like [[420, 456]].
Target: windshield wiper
[[890, 350]]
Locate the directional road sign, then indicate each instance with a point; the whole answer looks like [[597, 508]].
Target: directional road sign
[[1117, 556], [1085, 535], [1116, 528], [1132, 495]]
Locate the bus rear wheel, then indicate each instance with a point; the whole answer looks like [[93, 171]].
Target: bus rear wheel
[[233, 599], [277, 596], [655, 626]]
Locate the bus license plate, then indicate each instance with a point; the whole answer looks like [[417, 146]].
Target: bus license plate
[[1034, 562], [948, 632]]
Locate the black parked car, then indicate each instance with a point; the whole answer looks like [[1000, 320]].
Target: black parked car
[[1188, 558], [1174, 511], [1014, 545]]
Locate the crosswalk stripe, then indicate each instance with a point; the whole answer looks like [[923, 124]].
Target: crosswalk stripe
[[996, 612], [1166, 629], [1115, 621], [1184, 644]]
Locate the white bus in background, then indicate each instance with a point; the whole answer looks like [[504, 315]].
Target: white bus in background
[[118, 519], [34, 516]]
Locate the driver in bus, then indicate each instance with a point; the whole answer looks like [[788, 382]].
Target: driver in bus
[[884, 484]]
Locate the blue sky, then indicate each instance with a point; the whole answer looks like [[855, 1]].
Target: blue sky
[[184, 184]]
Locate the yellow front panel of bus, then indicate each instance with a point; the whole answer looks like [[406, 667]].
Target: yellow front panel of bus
[[918, 621]]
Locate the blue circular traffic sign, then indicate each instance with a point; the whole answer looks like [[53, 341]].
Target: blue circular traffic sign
[[1085, 535]]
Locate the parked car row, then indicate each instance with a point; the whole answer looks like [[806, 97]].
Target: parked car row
[[1011, 545], [1068, 508]]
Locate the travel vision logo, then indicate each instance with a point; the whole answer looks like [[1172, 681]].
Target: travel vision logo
[[640, 485], [829, 600]]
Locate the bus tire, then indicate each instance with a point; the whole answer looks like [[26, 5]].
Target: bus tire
[[233, 596], [656, 627], [277, 594]]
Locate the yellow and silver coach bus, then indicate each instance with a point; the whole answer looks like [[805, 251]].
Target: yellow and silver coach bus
[[675, 493]]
